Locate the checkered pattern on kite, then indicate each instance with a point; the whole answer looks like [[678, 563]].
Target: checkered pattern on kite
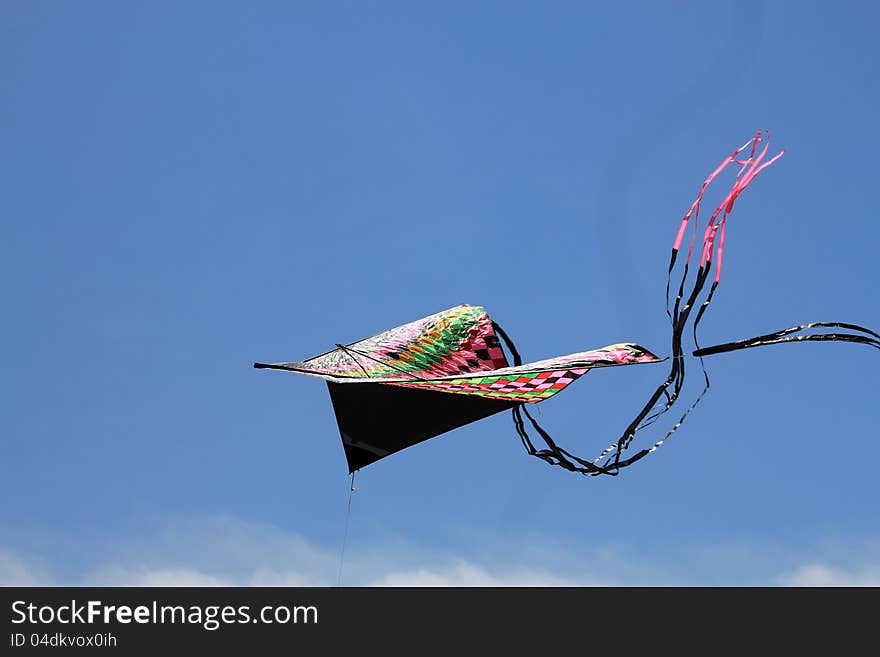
[[534, 382], [526, 387]]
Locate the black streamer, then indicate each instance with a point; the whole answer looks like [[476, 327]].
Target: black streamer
[[784, 335], [671, 387]]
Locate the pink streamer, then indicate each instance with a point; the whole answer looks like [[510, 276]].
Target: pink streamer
[[716, 228]]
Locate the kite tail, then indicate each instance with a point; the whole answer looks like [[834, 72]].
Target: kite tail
[[869, 338], [751, 162], [711, 252], [611, 460], [552, 454]]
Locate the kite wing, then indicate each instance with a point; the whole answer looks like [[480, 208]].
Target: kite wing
[[425, 378]]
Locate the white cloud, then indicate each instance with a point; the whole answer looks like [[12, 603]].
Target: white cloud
[[115, 576], [14, 571], [224, 551], [819, 574], [460, 573], [463, 573]]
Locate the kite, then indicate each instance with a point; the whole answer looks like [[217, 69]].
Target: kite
[[422, 379]]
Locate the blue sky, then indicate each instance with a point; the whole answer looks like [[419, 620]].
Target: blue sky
[[190, 188]]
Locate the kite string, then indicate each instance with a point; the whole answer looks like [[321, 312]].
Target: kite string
[[345, 532]]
